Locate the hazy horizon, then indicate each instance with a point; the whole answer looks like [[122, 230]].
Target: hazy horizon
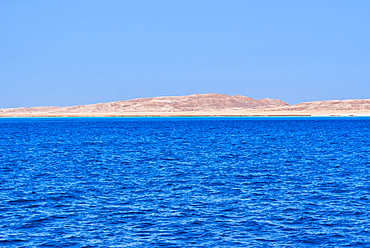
[[84, 52]]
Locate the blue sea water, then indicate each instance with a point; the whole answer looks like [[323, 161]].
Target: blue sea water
[[185, 182]]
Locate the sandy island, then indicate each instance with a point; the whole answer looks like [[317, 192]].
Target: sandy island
[[198, 105]]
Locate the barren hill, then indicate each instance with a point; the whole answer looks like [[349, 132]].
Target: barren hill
[[199, 105], [332, 105], [196, 102]]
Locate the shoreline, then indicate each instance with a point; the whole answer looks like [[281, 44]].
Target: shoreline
[[183, 115]]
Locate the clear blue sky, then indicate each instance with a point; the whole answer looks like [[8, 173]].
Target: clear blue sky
[[79, 52]]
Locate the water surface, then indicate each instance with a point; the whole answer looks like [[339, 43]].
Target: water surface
[[184, 182]]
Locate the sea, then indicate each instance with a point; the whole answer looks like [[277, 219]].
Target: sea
[[185, 182]]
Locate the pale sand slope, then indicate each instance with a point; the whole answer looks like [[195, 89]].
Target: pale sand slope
[[200, 105]]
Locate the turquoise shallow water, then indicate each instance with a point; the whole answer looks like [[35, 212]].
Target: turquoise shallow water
[[184, 182]]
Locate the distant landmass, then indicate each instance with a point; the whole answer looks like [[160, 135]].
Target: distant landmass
[[199, 105]]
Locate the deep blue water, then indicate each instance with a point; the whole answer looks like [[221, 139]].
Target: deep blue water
[[185, 182]]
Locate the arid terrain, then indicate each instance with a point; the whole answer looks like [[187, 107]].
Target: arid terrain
[[199, 105]]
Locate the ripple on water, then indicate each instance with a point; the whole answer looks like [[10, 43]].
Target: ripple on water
[[179, 182]]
